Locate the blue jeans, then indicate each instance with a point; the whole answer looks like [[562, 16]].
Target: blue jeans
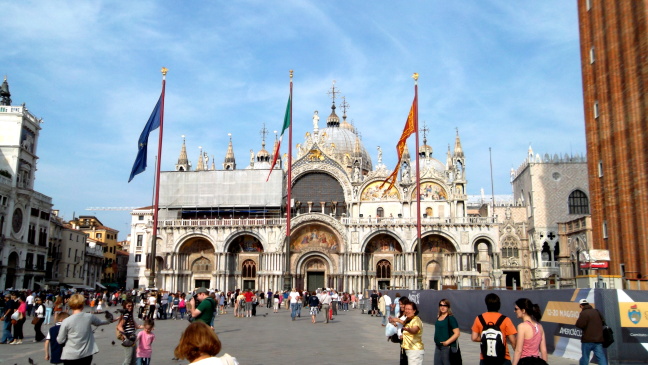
[[6, 332], [299, 307], [48, 315], [442, 355], [293, 310], [386, 315], [586, 350]]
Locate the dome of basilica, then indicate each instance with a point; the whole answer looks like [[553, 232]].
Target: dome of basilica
[[345, 141]]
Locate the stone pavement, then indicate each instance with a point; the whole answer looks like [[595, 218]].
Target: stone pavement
[[268, 338]]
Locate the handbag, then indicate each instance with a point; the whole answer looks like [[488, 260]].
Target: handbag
[[15, 315], [608, 334], [455, 352], [35, 320], [129, 341], [403, 357], [455, 355]]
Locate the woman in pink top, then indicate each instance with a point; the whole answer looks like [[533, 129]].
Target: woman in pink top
[[531, 347], [144, 341]]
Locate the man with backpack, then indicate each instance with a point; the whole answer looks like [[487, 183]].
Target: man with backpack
[[492, 329], [205, 310]]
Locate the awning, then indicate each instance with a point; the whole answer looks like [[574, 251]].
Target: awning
[[101, 286], [82, 287]]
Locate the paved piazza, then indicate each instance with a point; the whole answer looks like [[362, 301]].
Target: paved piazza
[[268, 338]]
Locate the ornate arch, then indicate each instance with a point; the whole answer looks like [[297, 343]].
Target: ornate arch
[[305, 256], [233, 236], [184, 238], [372, 235], [431, 190], [310, 218], [370, 191], [436, 233], [480, 238]]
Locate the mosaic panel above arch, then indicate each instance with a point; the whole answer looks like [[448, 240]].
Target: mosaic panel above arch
[[431, 191], [373, 192], [437, 244], [196, 245], [245, 243], [314, 237], [383, 243]]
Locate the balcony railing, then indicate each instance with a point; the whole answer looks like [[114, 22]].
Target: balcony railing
[[221, 222], [344, 220]]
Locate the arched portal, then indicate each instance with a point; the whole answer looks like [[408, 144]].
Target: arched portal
[[12, 266], [316, 270], [244, 257], [433, 273], [440, 261], [195, 256], [382, 252]]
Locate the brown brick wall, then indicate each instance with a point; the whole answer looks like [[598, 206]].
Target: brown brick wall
[[618, 81]]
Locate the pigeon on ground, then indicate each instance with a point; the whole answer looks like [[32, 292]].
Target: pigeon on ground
[[29, 359], [109, 316], [113, 343]]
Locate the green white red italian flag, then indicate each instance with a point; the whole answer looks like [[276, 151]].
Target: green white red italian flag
[[286, 125]]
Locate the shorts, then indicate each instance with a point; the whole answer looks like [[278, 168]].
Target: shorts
[[248, 306], [313, 311]]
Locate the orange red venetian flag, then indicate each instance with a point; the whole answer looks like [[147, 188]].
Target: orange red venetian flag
[[410, 127]]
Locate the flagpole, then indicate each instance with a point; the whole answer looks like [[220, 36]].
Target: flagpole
[[419, 250], [157, 185], [287, 277]]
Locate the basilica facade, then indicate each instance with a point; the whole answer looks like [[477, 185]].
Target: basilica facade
[[226, 228]]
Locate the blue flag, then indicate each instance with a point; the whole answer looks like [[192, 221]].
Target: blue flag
[[142, 144]]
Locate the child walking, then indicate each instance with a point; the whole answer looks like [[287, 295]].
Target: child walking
[[145, 340], [53, 349]]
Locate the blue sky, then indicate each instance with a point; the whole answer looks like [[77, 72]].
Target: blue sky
[[505, 73]]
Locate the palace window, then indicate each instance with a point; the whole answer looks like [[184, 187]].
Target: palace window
[[578, 203], [509, 247], [383, 269], [249, 269]]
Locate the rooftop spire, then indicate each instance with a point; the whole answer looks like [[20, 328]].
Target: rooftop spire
[[201, 164], [458, 151], [230, 161], [344, 106], [182, 159], [333, 120], [5, 95]]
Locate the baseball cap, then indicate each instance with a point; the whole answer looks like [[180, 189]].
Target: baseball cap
[[583, 301], [202, 290]]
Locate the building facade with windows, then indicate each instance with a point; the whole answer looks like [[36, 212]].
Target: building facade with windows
[[614, 58], [72, 265], [550, 190], [95, 230], [24, 212]]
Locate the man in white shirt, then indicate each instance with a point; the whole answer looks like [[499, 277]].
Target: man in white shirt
[[325, 300], [152, 301], [388, 308], [30, 303], [294, 298]]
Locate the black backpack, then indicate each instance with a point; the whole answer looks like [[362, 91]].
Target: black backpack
[[493, 341]]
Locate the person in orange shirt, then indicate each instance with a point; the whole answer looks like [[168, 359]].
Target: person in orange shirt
[[506, 327]]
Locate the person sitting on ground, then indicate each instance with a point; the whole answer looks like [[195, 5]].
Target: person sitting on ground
[[199, 344]]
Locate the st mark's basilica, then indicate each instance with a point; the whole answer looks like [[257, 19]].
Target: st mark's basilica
[[225, 227]]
